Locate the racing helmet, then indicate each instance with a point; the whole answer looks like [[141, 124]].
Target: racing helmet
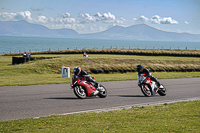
[[139, 68], [77, 70]]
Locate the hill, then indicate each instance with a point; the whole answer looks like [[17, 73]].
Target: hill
[[23, 28], [135, 32], [143, 32]]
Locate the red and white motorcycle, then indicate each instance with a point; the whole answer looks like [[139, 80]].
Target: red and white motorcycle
[[149, 87], [82, 88]]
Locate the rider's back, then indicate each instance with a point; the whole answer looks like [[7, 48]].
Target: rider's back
[[145, 71]]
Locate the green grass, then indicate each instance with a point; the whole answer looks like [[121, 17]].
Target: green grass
[[48, 71], [173, 117], [36, 79]]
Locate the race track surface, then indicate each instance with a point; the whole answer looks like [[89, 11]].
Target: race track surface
[[20, 102]]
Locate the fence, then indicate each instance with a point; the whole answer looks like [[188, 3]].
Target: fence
[[104, 47]]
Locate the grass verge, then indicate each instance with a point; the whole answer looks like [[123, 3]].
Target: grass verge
[[173, 117], [36, 79], [49, 71]]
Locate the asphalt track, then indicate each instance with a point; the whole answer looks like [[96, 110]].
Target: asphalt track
[[35, 101]]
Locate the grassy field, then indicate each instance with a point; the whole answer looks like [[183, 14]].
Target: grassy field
[[173, 117], [48, 71]]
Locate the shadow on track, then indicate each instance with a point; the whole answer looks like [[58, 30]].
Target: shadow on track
[[63, 98], [126, 95], [70, 98], [130, 95]]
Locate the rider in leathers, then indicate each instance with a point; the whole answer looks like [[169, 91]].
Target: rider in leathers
[[142, 70], [82, 73]]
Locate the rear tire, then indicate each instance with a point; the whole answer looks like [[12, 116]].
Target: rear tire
[[146, 90], [80, 92], [162, 91], [102, 94]]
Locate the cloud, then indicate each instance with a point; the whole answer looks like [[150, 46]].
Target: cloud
[[166, 20], [37, 9], [86, 18], [66, 15], [106, 18], [155, 19], [6, 16], [142, 19], [26, 15], [121, 21], [42, 19], [186, 22], [53, 21]]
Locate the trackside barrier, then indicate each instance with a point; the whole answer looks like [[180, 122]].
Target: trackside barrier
[[21, 60]]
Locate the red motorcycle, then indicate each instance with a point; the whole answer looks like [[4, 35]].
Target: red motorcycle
[[83, 88], [150, 87]]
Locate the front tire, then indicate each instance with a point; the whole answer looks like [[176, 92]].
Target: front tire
[[102, 94], [162, 90], [80, 92], [146, 90]]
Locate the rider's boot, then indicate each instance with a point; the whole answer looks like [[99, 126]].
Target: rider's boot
[[158, 83], [94, 93], [98, 87]]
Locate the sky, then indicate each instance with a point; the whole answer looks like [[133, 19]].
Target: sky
[[90, 16]]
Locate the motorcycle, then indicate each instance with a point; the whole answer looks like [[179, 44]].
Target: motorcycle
[[82, 88], [149, 87]]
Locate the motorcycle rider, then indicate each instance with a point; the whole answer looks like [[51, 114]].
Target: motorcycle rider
[[142, 70], [81, 73]]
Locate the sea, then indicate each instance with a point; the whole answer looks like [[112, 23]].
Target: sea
[[31, 44]]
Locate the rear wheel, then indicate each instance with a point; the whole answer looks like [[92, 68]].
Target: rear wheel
[[80, 92], [162, 90], [146, 90], [102, 92]]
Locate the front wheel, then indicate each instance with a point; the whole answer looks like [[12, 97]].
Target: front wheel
[[80, 92], [146, 90], [102, 92], [162, 91]]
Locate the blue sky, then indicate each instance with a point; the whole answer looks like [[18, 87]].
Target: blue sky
[[89, 16]]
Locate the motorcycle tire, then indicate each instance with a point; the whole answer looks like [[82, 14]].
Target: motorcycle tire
[[162, 91], [102, 94], [146, 90], [80, 92]]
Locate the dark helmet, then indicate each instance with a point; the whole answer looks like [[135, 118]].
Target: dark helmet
[[139, 68], [77, 70]]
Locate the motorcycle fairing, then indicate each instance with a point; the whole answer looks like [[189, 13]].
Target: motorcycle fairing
[[148, 81], [88, 87]]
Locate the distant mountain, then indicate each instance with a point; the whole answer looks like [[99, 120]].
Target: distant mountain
[[143, 32], [135, 32], [23, 28]]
